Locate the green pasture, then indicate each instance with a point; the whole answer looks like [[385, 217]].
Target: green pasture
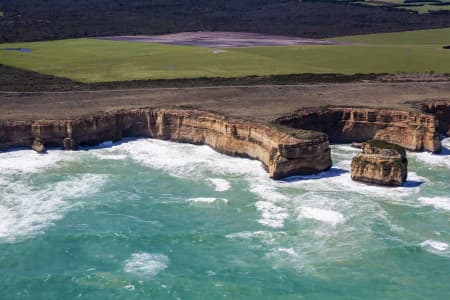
[[421, 7], [90, 60], [426, 8]]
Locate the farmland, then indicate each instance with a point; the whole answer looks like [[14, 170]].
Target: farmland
[[419, 6], [93, 60]]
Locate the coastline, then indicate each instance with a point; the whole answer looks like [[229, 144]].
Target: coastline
[[296, 144], [281, 153]]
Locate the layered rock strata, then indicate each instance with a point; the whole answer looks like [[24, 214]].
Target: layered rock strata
[[380, 163], [441, 110], [281, 153], [414, 131]]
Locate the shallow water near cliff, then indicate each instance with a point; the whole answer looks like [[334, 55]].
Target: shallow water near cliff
[[148, 219]]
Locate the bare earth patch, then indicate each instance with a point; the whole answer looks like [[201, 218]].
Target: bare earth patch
[[255, 103], [219, 39]]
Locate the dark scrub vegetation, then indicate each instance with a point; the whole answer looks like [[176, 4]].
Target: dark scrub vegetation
[[30, 20]]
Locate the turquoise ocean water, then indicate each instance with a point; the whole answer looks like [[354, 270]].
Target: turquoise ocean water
[[148, 219]]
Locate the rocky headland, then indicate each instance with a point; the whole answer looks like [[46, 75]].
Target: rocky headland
[[380, 163], [287, 143], [441, 111], [413, 130], [283, 151]]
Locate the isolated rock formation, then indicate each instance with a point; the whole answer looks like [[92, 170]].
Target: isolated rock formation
[[380, 163], [283, 153], [414, 131], [38, 146]]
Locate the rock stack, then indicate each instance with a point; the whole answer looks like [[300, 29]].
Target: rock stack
[[380, 163]]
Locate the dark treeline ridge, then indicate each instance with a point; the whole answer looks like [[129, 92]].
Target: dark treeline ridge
[[18, 80], [30, 20]]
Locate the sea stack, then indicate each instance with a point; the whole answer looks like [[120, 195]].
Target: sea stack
[[38, 146], [380, 163]]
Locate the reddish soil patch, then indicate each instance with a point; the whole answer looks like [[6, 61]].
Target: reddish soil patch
[[220, 39]]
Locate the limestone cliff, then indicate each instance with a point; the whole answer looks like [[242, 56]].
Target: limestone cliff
[[414, 131], [380, 163], [441, 110], [283, 154]]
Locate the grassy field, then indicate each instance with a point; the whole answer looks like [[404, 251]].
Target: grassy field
[[89, 60], [421, 7]]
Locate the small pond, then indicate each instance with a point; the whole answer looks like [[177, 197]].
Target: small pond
[[24, 50]]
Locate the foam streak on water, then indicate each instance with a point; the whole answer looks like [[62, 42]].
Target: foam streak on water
[[322, 215], [437, 202], [146, 264], [27, 210]]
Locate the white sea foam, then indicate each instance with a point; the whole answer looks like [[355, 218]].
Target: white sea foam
[[343, 152], [289, 251], [27, 210], [184, 160], [28, 161], [272, 215], [343, 183], [110, 156], [265, 190], [206, 200], [435, 160], [434, 245], [3, 181], [220, 184], [322, 215], [146, 264], [286, 257], [260, 234], [432, 159], [437, 202]]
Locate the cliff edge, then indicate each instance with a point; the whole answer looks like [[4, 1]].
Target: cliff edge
[[413, 130], [283, 153]]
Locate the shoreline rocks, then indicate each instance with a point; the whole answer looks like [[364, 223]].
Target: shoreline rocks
[[38, 146], [413, 130], [380, 163], [283, 153]]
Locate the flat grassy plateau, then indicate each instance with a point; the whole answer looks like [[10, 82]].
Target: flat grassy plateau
[[91, 60], [419, 6]]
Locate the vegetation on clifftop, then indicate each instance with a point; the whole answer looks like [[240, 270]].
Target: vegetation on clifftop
[[298, 133], [386, 145], [31, 20]]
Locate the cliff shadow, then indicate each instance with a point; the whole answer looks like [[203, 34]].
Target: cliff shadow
[[109, 144], [412, 183], [445, 151], [332, 172]]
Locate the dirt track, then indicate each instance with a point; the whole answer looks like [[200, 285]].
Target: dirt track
[[220, 39], [259, 103]]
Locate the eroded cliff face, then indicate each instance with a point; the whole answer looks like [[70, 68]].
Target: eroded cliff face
[[414, 131], [441, 110], [380, 165], [281, 153]]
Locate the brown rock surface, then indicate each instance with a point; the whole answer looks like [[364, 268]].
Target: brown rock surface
[[38, 146], [414, 131], [380, 163], [282, 153], [441, 110]]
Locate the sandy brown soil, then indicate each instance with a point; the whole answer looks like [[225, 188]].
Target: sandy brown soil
[[220, 39], [258, 103]]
